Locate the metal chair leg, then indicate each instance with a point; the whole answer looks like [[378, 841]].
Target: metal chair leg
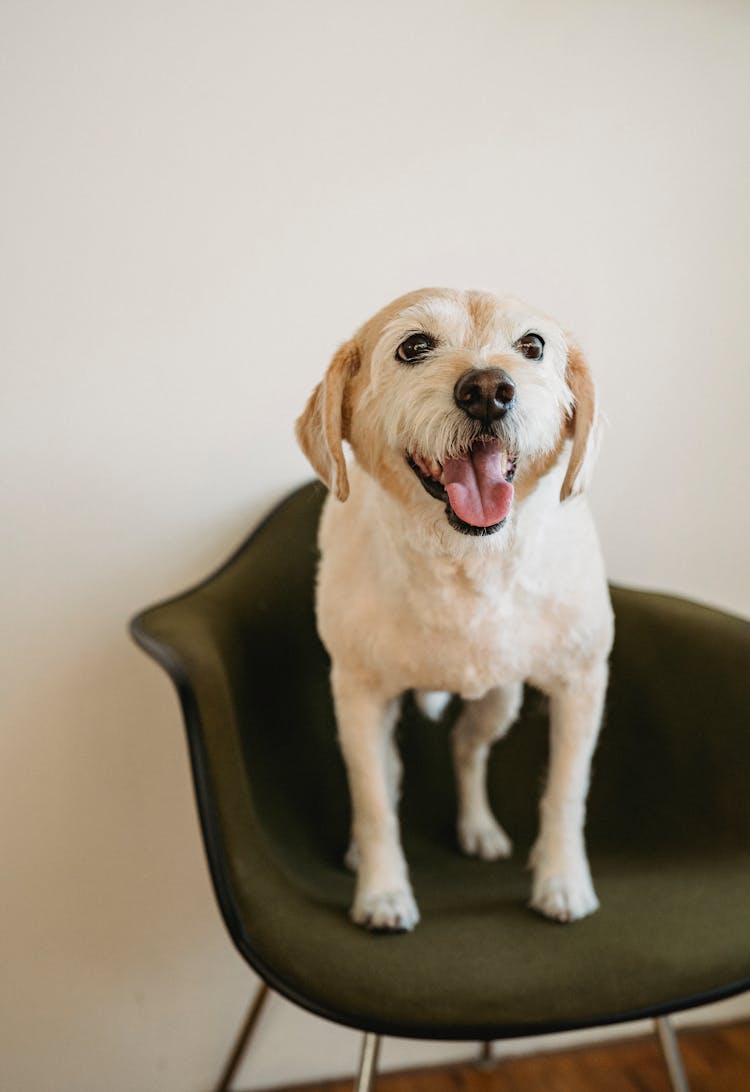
[[671, 1051], [486, 1060], [368, 1063], [243, 1038]]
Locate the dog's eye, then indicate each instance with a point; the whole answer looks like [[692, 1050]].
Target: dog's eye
[[414, 347], [531, 345]]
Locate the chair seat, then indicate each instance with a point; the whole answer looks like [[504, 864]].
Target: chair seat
[[668, 818], [480, 965]]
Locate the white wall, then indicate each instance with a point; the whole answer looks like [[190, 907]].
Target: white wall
[[199, 202]]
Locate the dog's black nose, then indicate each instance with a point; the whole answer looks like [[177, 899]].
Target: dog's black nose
[[485, 393]]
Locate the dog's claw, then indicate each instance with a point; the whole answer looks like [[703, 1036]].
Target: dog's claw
[[386, 911]]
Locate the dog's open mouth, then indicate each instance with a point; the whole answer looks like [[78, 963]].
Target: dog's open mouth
[[476, 488]]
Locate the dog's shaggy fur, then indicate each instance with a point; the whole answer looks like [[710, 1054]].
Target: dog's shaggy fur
[[439, 575]]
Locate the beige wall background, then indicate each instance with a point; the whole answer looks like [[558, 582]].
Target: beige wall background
[[199, 202]]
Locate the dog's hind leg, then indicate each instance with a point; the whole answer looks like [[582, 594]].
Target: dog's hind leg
[[383, 898], [480, 724], [432, 703]]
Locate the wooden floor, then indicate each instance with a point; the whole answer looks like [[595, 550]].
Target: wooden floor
[[716, 1060]]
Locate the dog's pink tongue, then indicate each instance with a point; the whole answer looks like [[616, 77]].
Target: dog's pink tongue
[[477, 490]]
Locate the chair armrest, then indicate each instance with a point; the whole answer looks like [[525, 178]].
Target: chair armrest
[[689, 662]]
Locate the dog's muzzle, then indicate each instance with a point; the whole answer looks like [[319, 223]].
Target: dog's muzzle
[[476, 488]]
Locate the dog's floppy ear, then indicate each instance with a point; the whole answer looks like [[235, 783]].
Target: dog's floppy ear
[[324, 424], [584, 425]]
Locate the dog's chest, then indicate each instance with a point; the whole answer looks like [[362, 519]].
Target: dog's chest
[[464, 632], [404, 620]]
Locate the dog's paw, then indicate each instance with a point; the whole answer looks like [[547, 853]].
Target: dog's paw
[[485, 839], [386, 911], [564, 896]]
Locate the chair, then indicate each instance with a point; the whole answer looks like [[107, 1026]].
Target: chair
[[668, 821]]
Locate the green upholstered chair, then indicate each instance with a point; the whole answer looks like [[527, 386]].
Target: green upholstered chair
[[668, 820]]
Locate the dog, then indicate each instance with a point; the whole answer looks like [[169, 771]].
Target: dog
[[459, 556]]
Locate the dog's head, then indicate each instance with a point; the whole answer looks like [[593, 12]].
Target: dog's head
[[457, 403]]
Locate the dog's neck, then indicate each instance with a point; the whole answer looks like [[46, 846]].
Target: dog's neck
[[421, 533]]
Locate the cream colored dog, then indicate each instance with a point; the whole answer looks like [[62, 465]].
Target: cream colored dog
[[458, 557]]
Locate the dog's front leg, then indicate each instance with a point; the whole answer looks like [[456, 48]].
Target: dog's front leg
[[562, 880], [383, 898]]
